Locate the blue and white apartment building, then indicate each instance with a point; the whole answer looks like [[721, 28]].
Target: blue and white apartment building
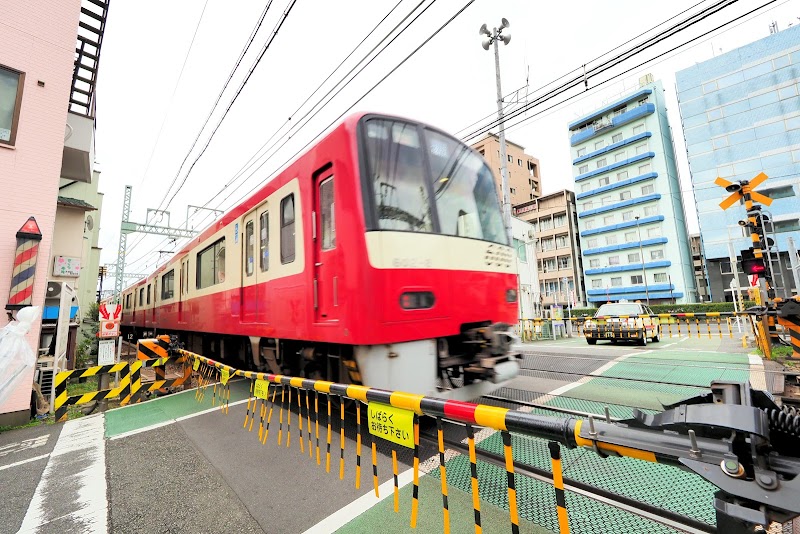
[[630, 214], [741, 116]]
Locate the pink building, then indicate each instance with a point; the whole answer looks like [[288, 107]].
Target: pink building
[[46, 136]]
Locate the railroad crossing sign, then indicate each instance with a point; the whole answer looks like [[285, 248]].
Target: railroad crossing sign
[[743, 190]]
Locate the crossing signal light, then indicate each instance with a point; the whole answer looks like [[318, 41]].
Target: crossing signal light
[[752, 265]]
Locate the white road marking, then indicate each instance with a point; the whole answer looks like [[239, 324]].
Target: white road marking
[[24, 445], [758, 379], [346, 514], [171, 421], [74, 479], [21, 462]]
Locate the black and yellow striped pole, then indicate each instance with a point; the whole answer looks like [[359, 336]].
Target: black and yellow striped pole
[[443, 472], [473, 466], [415, 491], [512, 487], [558, 484]]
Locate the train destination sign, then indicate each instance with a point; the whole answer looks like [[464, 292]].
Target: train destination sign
[[390, 423]]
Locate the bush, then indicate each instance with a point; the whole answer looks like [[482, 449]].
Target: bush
[[677, 308], [86, 353]]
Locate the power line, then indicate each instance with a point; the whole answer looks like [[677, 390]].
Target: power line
[[174, 90], [264, 49], [241, 171]]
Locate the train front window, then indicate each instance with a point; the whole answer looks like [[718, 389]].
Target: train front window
[[464, 190], [395, 166]]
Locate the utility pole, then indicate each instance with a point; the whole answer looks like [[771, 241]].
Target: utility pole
[[492, 38], [128, 227]]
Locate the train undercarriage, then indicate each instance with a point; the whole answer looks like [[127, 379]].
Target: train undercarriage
[[463, 366]]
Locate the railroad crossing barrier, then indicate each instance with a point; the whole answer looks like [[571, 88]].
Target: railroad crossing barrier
[[699, 325], [395, 417], [130, 384], [62, 400]]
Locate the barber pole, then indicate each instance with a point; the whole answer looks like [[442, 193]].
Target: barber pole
[[22, 276]]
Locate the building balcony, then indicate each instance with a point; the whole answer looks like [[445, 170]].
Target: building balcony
[[628, 267], [620, 205], [614, 166], [642, 296], [631, 115], [617, 185], [630, 289], [609, 108], [77, 161], [612, 147], [622, 225], [625, 246]]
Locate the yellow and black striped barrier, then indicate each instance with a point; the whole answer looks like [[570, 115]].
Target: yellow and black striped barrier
[[400, 427], [153, 348], [699, 325], [62, 400]]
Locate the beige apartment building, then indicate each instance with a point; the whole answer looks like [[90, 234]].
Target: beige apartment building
[[557, 246], [523, 170]]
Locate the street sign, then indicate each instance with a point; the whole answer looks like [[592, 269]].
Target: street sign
[[745, 191], [106, 352], [109, 329], [108, 315]]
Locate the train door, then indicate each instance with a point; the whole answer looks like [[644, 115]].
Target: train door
[[183, 291], [249, 291], [326, 252]]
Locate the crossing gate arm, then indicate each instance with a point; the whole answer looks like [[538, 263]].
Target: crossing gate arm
[[710, 435]]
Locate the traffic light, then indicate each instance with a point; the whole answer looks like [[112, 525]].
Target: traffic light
[[752, 265]]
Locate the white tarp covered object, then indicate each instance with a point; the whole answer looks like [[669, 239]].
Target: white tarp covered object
[[16, 355]]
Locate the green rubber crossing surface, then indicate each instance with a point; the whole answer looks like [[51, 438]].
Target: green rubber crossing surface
[[382, 518], [167, 408]]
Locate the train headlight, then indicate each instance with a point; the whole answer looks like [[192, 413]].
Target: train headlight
[[511, 295], [417, 300]]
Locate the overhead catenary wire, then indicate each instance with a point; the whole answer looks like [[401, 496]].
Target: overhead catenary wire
[[535, 103], [669, 32], [236, 65], [264, 49], [341, 63]]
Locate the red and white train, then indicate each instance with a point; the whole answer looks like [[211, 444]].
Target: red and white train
[[377, 257]]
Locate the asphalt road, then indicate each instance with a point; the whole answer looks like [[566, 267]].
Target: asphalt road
[[172, 468], [23, 457]]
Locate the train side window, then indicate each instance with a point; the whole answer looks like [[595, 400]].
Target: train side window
[[211, 264], [148, 293], [250, 248], [287, 229], [327, 217], [264, 242], [168, 285], [141, 297]]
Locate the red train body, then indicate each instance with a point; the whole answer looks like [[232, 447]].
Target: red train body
[[379, 256]]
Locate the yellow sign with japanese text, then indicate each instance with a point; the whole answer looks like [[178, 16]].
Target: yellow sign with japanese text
[[390, 423], [261, 389], [224, 376]]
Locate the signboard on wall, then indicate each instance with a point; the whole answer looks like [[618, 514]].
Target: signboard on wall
[[66, 266], [106, 352]]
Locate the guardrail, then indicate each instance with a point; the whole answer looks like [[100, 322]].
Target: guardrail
[[700, 325], [395, 417]]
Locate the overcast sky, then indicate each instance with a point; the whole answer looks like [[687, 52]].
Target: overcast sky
[[152, 98]]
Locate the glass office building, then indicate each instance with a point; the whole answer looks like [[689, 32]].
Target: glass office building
[[634, 242], [741, 116]]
